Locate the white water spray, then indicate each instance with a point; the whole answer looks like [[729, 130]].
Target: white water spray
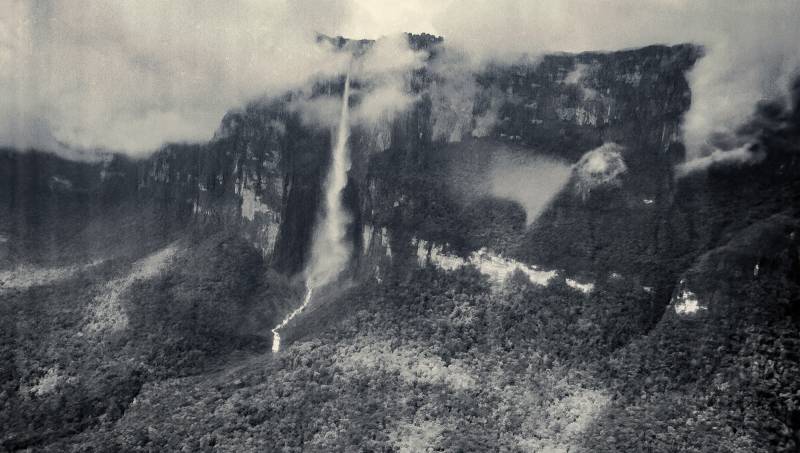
[[276, 337], [329, 248]]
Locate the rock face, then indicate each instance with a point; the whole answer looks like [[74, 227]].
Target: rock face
[[262, 172], [561, 107], [263, 169]]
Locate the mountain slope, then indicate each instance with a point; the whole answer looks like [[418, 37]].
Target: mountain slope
[[628, 307]]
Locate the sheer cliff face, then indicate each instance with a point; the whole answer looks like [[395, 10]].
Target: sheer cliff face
[[554, 179], [262, 172]]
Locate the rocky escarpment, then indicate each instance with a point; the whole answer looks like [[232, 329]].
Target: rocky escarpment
[[563, 106], [263, 170], [261, 173], [55, 211]]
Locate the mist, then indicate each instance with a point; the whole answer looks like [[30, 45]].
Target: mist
[[737, 156], [529, 180], [602, 166], [751, 50], [81, 76], [130, 76], [481, 169]]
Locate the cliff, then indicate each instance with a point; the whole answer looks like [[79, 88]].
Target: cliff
[[263, 170], [521, 242], [419, 179]]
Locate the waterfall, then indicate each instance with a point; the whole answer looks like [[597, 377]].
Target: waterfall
[[329, 248], [276, 336]]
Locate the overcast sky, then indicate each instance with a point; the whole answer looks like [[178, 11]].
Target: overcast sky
[[131, 75]]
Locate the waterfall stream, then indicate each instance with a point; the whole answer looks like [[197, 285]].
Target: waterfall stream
[[329, 248], [276, 336]]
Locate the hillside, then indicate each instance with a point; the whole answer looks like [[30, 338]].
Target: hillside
[[531, 270]]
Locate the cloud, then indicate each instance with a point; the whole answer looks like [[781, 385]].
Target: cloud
[[389, 55], [383, 103], [380, 76], [129, 76], [321, 111], [530, 181], [384, 69], [737, 156], [602, 166], [751, 47]]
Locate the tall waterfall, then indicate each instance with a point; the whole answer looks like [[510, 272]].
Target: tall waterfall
[[329, 248]]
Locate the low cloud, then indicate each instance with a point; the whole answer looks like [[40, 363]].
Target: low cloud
[[381, 75], [320, 111], [389, 55], [602, 166], [751, 50], [383, 103], [130, 76], [384, 69], [530, 181], [739, 156]]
